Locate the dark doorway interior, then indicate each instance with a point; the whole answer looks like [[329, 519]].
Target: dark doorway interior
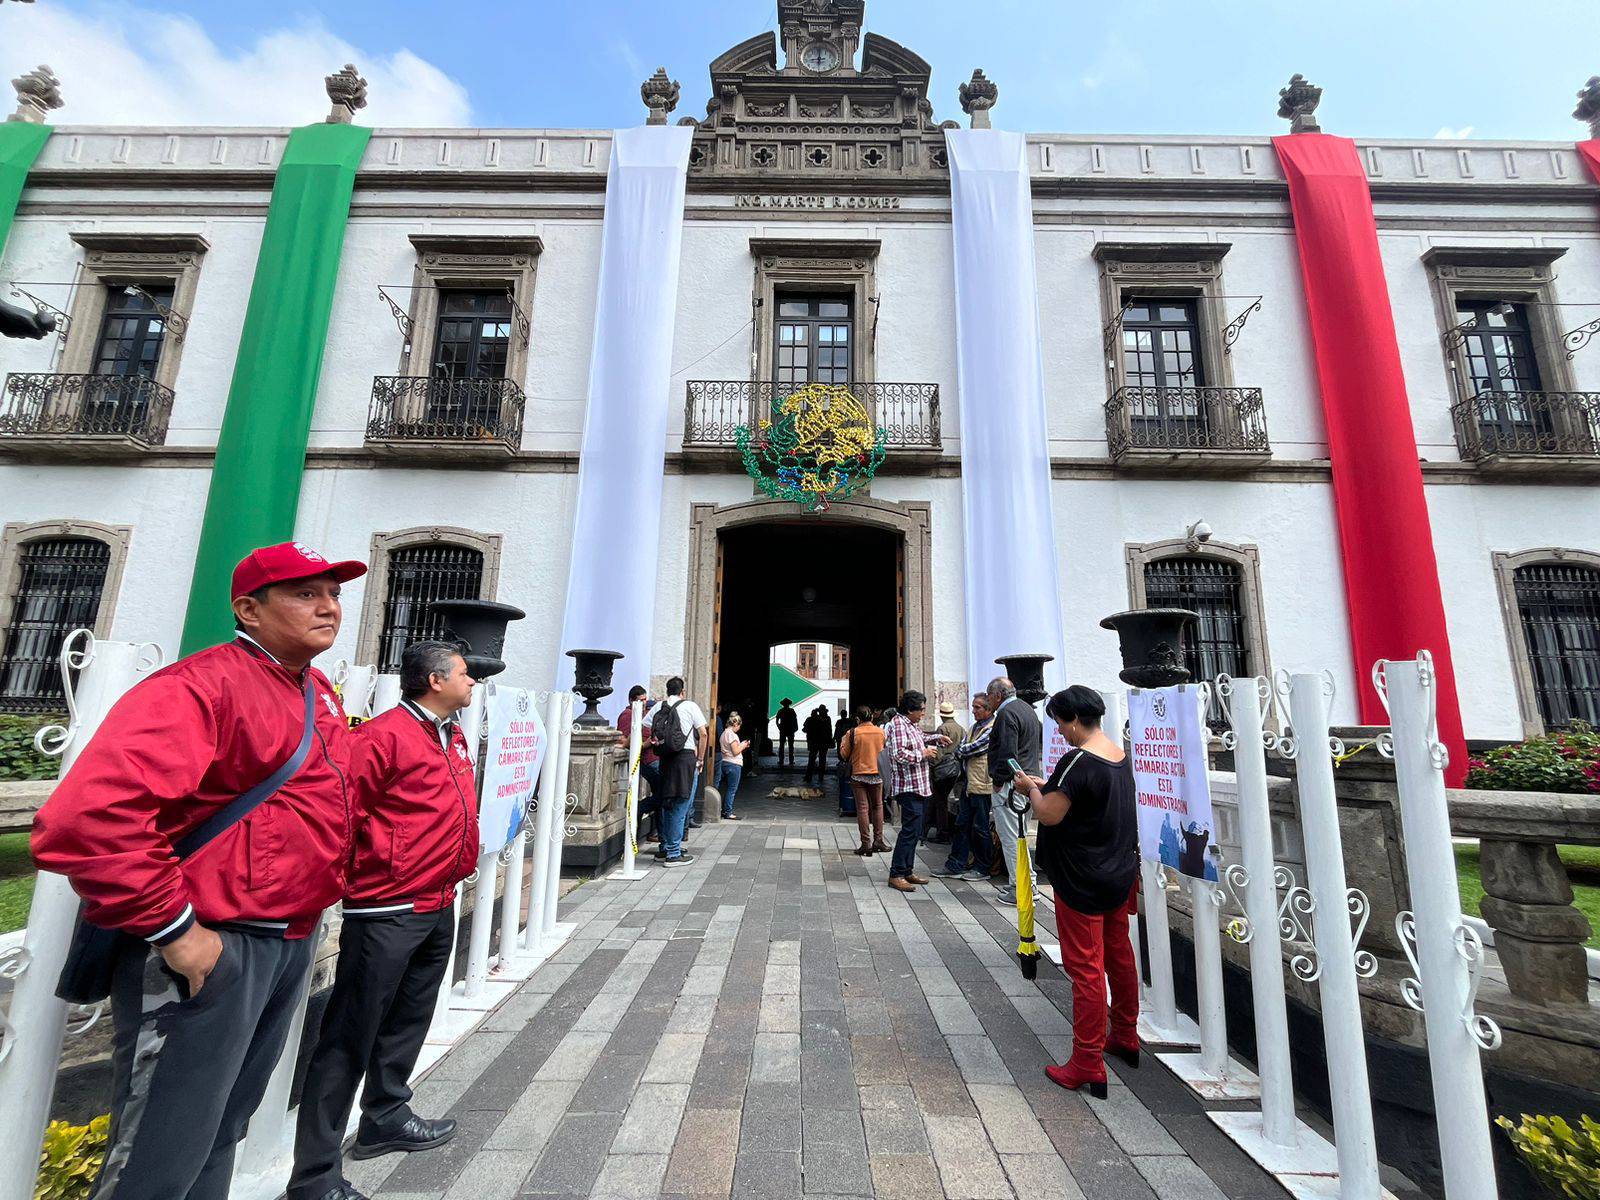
[[811, 580]]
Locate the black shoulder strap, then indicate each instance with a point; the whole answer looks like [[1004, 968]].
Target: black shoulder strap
[[240, 808]]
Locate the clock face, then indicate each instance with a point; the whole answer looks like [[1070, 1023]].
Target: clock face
[[819, 56]]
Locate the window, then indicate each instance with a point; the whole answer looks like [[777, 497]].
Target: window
[[60, 583], [841, 662], [1161, 358], [805, 660], [474, 334], [814, 341], [418, 576], [1497, 347], [133, 332], [1558, 608]]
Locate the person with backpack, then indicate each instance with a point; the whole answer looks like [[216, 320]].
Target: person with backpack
[[206, 826], [679, 731]]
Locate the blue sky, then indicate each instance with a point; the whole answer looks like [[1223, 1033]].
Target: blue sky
[[1493, 68]]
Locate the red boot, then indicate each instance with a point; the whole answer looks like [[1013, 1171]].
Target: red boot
[[1128, 1052], [1072, 1078]]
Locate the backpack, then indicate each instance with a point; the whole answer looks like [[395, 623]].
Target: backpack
[[667, 731]]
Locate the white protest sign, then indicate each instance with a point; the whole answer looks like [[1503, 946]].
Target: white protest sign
[[1168, 744], [517, 743]]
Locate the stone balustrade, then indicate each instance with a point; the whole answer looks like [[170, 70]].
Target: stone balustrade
[[1538, 934]]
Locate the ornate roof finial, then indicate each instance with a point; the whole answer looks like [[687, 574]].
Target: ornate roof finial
[[1298, 102], [348, 91], [1589, 105], [38, 91], [978, 97], [660, 96]]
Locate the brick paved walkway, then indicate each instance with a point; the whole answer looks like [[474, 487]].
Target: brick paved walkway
[[773, 1021]]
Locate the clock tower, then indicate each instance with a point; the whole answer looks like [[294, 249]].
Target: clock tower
[[820, 37]]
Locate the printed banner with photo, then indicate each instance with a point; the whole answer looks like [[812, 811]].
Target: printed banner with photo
[[1168, 742], [517, 744]]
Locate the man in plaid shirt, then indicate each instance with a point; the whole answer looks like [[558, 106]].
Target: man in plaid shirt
[[909, 751]]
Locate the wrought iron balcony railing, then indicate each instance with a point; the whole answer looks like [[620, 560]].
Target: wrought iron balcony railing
[[425, 411], [1541, 425], [908, 413], [1222, 420], [130, 410]]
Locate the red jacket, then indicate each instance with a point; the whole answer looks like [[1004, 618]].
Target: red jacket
[[418, 836], [178, 747]]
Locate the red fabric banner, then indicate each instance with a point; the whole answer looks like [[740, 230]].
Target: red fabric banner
[[1391, 577], [1590, 153]]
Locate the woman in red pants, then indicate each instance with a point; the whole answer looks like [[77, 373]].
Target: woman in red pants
[[1089, 850]]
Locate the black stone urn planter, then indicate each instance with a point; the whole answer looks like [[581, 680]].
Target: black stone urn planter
[[480, 625], [1152, 645], [593, 682], [1026, 671]]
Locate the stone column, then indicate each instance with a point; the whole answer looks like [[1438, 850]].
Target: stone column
[[600, 815], [1538, 934]]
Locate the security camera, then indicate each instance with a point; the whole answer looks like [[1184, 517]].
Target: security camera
[[1197, 533]]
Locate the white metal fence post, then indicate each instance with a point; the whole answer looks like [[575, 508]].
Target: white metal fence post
[[630, 852], [1274, 1137], [35, 1025], [356, 691], [533, 935], [1448, 954], [1338, 960], [386, 695], [558, 827]]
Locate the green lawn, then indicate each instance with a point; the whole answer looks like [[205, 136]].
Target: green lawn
[[16, 881], [1583, 869]]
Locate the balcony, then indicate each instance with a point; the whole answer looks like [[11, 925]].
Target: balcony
[[89, 415], [1530, 432], [429, 417], [1206, 428], [908, 413]]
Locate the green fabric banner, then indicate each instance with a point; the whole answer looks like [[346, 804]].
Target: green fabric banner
[[784, 684], [261, 449], [20, 143]]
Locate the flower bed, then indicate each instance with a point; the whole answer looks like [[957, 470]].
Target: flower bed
[[1567, 762]]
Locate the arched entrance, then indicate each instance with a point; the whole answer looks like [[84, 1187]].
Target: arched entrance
[[762, 573]]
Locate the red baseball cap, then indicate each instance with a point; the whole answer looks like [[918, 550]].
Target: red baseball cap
[[288, 560]]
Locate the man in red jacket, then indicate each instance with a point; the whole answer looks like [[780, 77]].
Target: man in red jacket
[[411, 778], [200, 1023]]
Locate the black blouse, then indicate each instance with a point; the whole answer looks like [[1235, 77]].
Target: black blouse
[[1091, 857]]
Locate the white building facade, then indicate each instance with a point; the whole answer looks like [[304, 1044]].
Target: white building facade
[[1188, 451]]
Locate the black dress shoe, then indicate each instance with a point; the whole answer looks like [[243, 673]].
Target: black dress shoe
[[418, 1133], [343, 1192]]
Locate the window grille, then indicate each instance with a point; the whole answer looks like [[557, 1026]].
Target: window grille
[[1559, 608], [58, 590], [1211, 588], [418, 576]]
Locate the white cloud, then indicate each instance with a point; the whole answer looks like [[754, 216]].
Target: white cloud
[[624, 50], [1450, 134], [138, 66]]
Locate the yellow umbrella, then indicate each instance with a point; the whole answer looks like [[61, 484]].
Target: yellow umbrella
[[1027, 945]]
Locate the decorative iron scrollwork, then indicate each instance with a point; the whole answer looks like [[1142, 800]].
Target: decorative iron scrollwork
[[1232, 330]]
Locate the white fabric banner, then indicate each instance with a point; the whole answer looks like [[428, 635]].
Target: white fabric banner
[[516, 748], [611, 588], [1167, 740], [1005, 456]]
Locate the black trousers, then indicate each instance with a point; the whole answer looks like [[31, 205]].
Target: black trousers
[[384, 989], [187, 1073], [817, 761], [785, 744]]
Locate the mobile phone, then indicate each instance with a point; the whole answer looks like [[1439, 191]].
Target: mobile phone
[[1016, 767]]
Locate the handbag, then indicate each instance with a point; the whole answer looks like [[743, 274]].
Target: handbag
[[949, 769], [93, 952]]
